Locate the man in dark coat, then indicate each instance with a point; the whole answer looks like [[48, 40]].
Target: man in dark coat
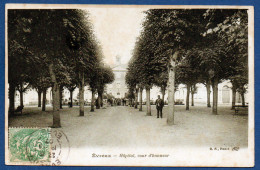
[[159, 106]]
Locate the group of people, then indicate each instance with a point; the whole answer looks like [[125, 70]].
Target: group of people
[[117, 102]]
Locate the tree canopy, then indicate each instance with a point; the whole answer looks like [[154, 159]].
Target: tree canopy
[[52, 48], [212, 46]]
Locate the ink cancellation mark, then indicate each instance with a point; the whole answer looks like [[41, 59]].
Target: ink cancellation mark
[[60, 147]]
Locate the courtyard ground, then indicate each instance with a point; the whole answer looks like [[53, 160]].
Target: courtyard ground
[[124, 126]]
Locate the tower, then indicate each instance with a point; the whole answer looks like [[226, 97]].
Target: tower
[[118, 60]]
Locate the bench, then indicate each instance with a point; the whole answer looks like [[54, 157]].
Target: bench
[[178, 102], [19, 109], [237, 108]]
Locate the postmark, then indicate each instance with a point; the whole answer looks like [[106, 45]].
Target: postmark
[[60, 147]]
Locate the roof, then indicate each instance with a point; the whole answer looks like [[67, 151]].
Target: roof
[[120, 67]]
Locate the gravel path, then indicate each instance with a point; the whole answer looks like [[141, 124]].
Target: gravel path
[[123, 130], [123, 126]]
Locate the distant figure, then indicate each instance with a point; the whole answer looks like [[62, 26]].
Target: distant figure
[[96, 102], [118, 102], [113, 102], [159, 106], [102, 102], [109, 101]]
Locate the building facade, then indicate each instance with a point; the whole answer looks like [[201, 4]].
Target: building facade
[[224, 94], [118, 88]]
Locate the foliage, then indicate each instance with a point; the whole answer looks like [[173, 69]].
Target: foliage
[[212, 46]]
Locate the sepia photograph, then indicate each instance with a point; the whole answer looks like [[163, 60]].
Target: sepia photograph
[[129, 85]]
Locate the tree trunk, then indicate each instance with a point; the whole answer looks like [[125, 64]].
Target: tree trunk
[[130, 102], [188, 97], [171, 89], [51, 96], [99, 100], [55, 98], [148, 104], [141, 100], [215, 97], [101, 104], [163, 92], [11, 99], [136, 98], [44, 99], [243, 98], [192, 98], [21, 98], [71, 98], [233, 98], [61, 90], [92, 101], [39, 98], [208, 94], [81, 95]]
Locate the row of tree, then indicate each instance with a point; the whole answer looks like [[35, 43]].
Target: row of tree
[[190, 46], [54, 49]]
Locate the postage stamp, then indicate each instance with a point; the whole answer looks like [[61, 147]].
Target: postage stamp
[[29, 145], [39, 146]]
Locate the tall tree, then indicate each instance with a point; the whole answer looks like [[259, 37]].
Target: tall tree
[[22, 88], [187, 72], [141, 98], [106, 76], [60, 36], [71, 85], [161, 81], [93, 82], [40, 79], [194, 89], [82, 42], [173, 36], [18, 60], [227, 29], [131, 81]]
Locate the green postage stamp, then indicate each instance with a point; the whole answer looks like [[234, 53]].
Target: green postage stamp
[[29, 145], [37, 146]]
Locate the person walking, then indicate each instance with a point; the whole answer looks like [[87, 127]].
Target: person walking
[[159, 106]]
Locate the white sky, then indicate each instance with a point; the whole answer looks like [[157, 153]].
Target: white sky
[[117, 30]]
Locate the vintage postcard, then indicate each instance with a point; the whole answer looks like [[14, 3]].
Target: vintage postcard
[[129, 85]]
